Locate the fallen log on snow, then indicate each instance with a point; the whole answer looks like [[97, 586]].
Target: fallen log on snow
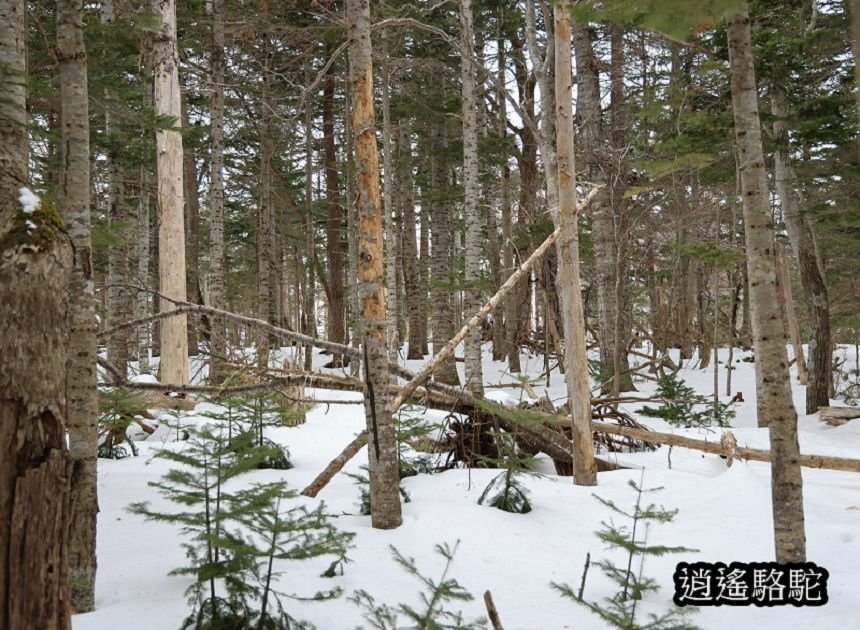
[[837, 416], [727, 450]]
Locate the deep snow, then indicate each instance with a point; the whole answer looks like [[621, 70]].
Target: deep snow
[[724, 513]]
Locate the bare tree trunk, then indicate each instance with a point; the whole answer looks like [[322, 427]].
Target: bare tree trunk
[[334, 232], [264, 214], [811, 277], [855, 47], [423, 278], [382, 441], [192, 233], [773, 385], [118, 296], [305, 278], [543, 70], [443, 321], [391, 235], [142, 298], [35, 272], [567, 245], [471, 211], [14, 151], [787, 299], [517, 307], [500, 346], [409, 244], [81, 393], [217, 285], [171, 233]]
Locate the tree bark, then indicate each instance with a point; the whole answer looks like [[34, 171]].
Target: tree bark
[[773, 385], [217, 288], [382, 446], [192, 232], [443, 320], [35, 268], [14, 152], [471, 211], [171, 232], [388, 209], [567, 245], [81, 393], [409, 241], [264, 209], [334, 231], [35, 271], [811, 278]]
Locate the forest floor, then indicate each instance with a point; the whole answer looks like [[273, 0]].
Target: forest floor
[[724, 513]]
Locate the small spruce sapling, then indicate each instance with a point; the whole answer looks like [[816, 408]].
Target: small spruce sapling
[[433, 613], [117, 411], [295, 533], [620, 610], [506, 491], [680, 402], [240, 415], [236, 537]]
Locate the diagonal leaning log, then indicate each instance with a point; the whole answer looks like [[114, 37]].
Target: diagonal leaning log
[[421, 377]]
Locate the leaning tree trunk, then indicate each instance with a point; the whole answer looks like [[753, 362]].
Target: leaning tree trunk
[[35, 267], [773, 383], [171, 232], [471, 211], [814, 287], [567, 246], [382, 440], [81, 393]]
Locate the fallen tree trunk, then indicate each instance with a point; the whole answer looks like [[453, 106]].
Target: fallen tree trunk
[[718, 448], [837, 416]]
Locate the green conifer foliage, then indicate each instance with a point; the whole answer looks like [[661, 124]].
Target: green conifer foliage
[[235, 538], [433, 614], [620, 610]]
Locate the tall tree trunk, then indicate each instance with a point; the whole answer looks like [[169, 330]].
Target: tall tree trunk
[[217, 288], [14, 151], [423, 278], [192, 232], [773, 385], [382, 440], [391, 234], [471, 211], [171, 232], [811, 278], [118, 302], [409, 241], [443, 320], [517, 308], [506, 255], [543, 70], [81, 393], [35, 271], [567, 246], [334, 232], [264, 214], [855, 47]]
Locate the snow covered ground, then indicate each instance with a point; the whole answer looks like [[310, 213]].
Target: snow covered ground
[[724, 513]]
